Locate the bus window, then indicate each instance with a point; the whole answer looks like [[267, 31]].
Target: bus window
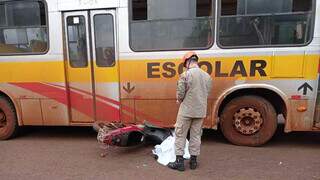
[[2, 15], [77, 42], [261, 23], [104, 40], [23, 27], [168, 25]]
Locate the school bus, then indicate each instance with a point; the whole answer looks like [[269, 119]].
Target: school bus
[[74, 62]]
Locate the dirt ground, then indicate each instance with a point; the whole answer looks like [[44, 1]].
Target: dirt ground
[[72, 153]]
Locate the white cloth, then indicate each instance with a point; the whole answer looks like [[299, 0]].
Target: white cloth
[[165, 151]]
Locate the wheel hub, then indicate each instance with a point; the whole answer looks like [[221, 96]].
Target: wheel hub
[[247, 121], [3, 121]]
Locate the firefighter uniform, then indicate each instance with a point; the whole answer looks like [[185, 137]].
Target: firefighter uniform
[[193, 89]]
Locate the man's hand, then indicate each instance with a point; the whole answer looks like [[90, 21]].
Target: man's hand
[[178, 102]]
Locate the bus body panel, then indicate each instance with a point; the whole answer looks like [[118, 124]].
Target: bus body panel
[[147, 80]]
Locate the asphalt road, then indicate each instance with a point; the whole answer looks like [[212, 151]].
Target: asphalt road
[[72, 153]]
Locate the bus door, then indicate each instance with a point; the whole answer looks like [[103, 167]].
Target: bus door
[[91, 66], [317, 110]]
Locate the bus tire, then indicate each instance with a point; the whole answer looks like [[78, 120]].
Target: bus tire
[[8, 119], [248, 121]]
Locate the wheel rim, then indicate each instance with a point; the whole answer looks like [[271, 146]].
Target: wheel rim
[[3, 119], [247, 121]]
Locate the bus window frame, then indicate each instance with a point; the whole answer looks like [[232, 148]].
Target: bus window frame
[[213, 9], [114, 39], [313, 13], [88, 57], [47, 26]]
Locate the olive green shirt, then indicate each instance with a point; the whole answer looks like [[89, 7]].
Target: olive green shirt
[[193, 89]]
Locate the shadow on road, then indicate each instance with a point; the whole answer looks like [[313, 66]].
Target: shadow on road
[[280, 138], [306, 139], [56, 132]]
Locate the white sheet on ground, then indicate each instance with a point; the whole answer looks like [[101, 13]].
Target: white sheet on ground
[[165, 151]]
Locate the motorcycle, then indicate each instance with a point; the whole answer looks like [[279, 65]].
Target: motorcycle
[[120, 135]]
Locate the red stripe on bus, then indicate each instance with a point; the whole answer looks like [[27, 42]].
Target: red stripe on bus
[[105, 111], [127, 108], [86, 92], [44, 90]]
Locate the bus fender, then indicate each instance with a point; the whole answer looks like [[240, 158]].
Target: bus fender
[[233, 89]]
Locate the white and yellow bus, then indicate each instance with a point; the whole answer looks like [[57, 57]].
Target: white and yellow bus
[[74, 62]]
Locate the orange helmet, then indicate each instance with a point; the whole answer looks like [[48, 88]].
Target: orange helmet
[[189, 55]]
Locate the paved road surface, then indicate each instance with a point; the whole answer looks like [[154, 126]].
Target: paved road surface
[[72, 153]]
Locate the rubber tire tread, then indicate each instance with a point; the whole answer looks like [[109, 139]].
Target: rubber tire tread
[[9, 110], [267, 112]]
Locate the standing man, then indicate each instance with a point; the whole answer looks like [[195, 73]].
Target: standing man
[[193, 89]]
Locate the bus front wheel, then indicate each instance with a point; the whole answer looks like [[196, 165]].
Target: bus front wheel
[[248, 121], [8, 119]]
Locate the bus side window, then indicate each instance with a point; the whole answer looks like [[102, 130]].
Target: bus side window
[[23, 27], [77, 42], [171, 25], [2, 15], [256, 23], [104, 40]]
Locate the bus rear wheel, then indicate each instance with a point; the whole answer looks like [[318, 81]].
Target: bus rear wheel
[[248, 121], [8, 119]]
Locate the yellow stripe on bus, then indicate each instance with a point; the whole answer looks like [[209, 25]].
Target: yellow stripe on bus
[[242, 67], [52, 71]]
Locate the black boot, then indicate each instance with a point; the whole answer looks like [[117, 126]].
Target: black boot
[[178, 164], [193, 162]]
